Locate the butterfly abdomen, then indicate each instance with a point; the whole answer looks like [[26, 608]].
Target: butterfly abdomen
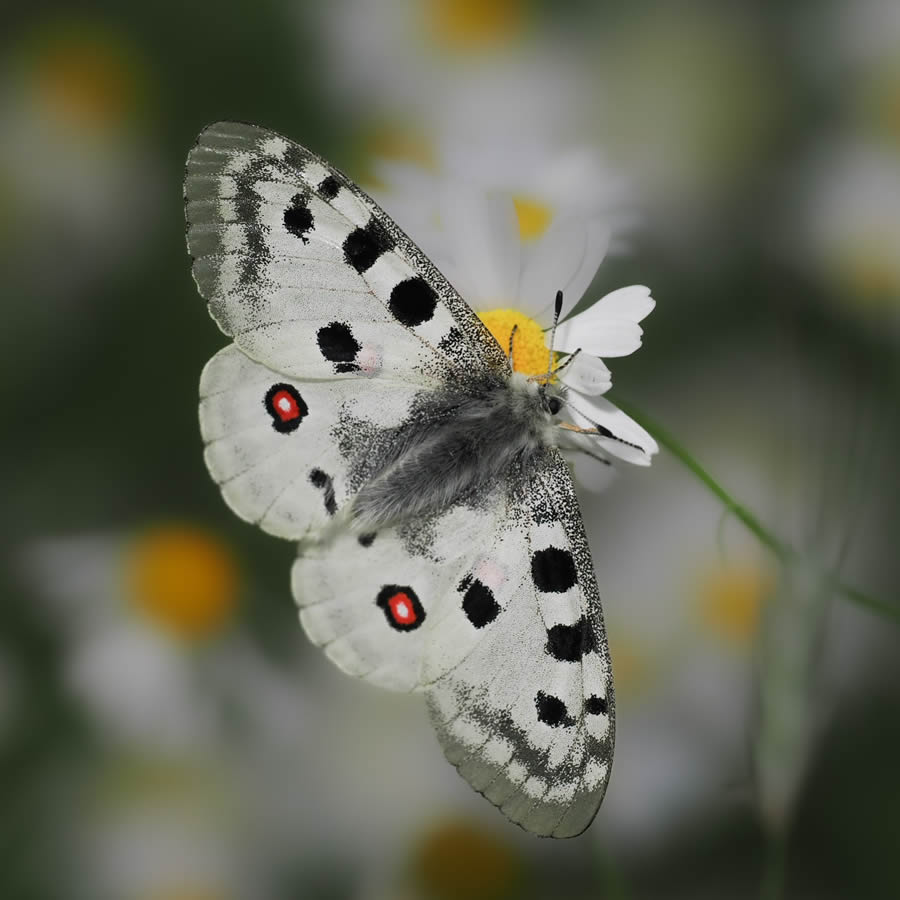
[[455, 450]]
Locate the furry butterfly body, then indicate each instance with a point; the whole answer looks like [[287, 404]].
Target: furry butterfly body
[[364, 411]]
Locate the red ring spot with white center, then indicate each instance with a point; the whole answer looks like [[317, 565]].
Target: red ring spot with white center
[[402, 609], [285, 406]]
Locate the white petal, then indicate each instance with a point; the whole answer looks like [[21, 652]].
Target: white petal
[[602, 337], [633, 302], [609, 327], [483, 238], [565, 258], [635, 445], [598, 239], [588, 375]]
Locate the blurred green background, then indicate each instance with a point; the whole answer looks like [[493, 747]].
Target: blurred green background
[[167, 732]]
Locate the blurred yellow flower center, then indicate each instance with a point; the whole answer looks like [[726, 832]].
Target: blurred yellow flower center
[[88, 78], [731, 599], [475, 24], [184, 580], [530, 351], [869, 268], [186, 893], [534, 217], [458, 858]]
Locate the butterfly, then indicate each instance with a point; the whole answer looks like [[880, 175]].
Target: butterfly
[[365, 412]]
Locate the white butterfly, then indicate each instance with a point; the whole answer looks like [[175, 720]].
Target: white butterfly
[[365, 411]]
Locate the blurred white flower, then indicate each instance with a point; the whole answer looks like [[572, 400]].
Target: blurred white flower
[[77, 182], [215, 768], [848, 227], [129, 608], [438, 62], [862, 31]]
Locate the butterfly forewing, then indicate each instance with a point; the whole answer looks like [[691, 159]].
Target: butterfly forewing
[[307, 273]]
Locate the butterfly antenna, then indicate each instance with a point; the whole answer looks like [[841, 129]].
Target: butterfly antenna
[[567, 363], [509, 355], [557, 309]]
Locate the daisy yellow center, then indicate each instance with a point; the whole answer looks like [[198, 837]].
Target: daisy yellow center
[[476, 24], [731, 599], [184, 580], [534, 217], [530, 351]]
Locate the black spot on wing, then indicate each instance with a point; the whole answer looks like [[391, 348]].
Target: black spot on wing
[[553, 570], [596, 706], [568, 643], [552, 711], [322, 480], [328, 187], [413, 301], [337, 345], [363, 246], [478, 602], [298, 218]]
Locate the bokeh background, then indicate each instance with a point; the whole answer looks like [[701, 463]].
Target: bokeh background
[[167, 732]]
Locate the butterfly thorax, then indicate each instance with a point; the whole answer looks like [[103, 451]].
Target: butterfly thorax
[[458, 447]]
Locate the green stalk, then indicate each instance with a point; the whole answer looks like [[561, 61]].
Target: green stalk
[[782, 550]]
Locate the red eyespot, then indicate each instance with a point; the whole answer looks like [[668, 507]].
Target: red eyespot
[[401, 607], [286, 407]]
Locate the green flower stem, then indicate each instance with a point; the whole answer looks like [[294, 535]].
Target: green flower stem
[[782, 550]]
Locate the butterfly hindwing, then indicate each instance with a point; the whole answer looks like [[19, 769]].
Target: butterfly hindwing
[[371, 600], [491, 608], [310, 276], [274, 444]]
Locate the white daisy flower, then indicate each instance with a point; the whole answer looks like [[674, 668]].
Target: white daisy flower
[[145, 617], [509, 252]]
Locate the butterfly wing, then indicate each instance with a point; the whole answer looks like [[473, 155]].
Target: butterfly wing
[[491, 609], [310, 276], [336, 317], [371, 601], [521, 695], [289, 453]]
